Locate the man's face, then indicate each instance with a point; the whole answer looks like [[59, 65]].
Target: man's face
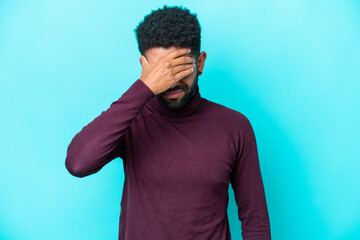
[[186, 86]]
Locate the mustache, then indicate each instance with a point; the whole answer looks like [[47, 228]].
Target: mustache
[[177, 88]]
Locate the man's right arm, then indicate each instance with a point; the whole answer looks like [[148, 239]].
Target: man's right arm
[[103, 139]]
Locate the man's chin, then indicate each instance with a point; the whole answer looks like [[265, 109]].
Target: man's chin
[[172, 103], [180, 101]]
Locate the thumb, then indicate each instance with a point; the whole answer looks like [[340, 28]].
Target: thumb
[[143, 61]]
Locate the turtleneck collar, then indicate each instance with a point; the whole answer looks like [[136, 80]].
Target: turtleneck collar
[[191, 106]]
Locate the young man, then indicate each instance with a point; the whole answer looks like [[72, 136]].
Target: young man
[[180, 151]]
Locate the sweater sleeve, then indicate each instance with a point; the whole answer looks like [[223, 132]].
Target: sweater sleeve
[[103, 139], [247, 184]]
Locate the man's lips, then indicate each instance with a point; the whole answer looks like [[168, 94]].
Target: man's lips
[[173, 91], [173, 94]]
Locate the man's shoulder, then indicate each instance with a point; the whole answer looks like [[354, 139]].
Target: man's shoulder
[[224, 114]]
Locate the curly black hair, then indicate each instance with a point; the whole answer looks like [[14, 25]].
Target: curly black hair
[[167, 27]]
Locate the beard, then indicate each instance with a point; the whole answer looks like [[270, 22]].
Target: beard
[[178, 103]]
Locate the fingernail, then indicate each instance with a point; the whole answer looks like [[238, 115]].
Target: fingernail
[[189, 50]]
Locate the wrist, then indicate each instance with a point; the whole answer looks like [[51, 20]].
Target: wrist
[[149, 86]]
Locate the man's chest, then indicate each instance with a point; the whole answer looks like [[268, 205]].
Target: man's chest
[[190, 155]]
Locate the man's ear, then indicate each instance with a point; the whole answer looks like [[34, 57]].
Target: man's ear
[[143, 61], [201, 62]]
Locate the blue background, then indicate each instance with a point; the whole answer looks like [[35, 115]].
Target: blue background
[[292, 67]]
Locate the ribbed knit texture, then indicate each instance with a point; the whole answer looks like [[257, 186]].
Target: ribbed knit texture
[[178, 165]]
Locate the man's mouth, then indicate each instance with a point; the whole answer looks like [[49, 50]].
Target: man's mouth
[[173, 94]]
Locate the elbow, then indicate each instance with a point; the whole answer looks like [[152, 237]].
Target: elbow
[[82, 163], [74, 167], [76, 161]]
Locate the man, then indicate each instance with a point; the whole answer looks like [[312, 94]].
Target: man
[[180, 151]]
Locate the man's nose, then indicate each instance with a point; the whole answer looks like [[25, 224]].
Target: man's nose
[[175, 86]]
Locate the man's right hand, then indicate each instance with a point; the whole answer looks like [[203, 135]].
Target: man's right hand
[[165, 73]]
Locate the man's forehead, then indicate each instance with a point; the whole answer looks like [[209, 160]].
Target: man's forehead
[[156, 53]]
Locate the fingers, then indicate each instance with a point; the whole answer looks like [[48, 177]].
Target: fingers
[[181, 60], [177, 57], [176, 65], [183, 74], [183, 67], [177, 53], [172, 71]]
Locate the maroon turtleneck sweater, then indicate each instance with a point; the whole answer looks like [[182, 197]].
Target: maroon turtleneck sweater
[[178, 165]]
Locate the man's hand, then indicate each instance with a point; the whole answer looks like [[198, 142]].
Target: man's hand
[[165, 73]]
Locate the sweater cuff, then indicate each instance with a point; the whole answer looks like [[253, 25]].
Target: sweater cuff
[[140, 84], [138, 91]]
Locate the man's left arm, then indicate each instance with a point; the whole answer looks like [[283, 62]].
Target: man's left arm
[[247, 184]]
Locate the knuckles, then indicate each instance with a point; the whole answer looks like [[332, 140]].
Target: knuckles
[[166, 63]]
